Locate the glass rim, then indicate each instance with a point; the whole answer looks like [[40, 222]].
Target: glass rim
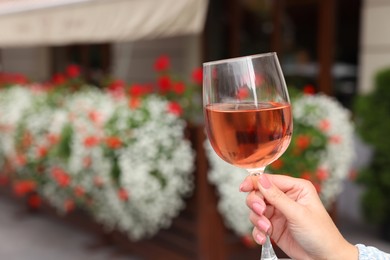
[[266, 54]]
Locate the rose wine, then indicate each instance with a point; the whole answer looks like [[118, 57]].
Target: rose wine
[[248, 135]]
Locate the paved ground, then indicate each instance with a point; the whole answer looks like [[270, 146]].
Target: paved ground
[[358, 234], [41, 237], [351, 222]]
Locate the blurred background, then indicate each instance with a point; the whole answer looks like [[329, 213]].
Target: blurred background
[[335, 47]]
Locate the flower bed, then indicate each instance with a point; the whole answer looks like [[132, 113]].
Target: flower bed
[[122, 158]]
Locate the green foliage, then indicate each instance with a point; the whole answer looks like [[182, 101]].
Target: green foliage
[[372, 123], [115, 170], [303, 155], [64, 148]]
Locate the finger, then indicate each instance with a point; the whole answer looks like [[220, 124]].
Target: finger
[[249, 183], [263, 224], [269, 211], [278, 198], [258, 236], [255, 202], [253, 218], [286, 183], [260, 222]]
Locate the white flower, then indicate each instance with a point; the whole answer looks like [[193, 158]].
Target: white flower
[[14, 102], [340, 149], [231, 204]]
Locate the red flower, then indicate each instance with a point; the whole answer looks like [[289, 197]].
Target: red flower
[[309, 90], [21, 188], [41, 151], [95, 117], [242, 93], [136, 90], [197, 76], [73, 71], [34, 201], [278, 164], [91, 141], [175, 108], [123, 195], [61, 177], [58, 79], [322, 174], [98, 181], [53, 139], [306, 176], [162, 63], [79, 191], [113, 142], [336, 139], [248, 241], [134, 102], [69, 205], [19, 79], [259, 79], [324, 125], [116, 85], [164, 84], [179, 88], [303, 141], [87, 161], [117, 88], [20, 160]]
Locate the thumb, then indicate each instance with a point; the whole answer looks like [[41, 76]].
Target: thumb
[[277, 198]]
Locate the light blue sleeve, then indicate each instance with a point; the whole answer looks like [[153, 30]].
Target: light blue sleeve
[[371, 253]]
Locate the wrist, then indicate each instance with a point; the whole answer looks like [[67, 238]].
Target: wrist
[[346, 251]]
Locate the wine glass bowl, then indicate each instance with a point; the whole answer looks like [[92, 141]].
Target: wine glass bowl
[[249, 136], [247, 111]]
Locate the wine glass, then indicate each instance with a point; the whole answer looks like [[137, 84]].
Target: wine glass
[[247, 113]]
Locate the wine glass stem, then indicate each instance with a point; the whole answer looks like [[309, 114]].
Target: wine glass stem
[[267, 252], [256, 171]]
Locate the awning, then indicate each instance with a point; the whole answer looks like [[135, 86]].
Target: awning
[[60, 22]]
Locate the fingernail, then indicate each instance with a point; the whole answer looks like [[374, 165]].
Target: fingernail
[[244, 187], [264, 182], [260, 240], [258, 208], [264, 226]]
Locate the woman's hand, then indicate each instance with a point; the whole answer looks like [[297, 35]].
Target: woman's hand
[[291, 212]]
